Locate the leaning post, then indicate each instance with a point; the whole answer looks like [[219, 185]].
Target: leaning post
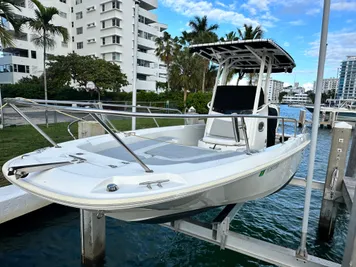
[[334, 179], [349, 258], [92, 224]]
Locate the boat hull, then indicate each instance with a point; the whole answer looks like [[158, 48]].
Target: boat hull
[[196, 179]]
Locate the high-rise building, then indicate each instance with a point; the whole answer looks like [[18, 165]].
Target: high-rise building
[[104, 29], [347, 84], [328, 85], [275, 87]]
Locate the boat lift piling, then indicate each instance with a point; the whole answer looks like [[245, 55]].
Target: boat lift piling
[[92, 224], [334, 179], [302, 118]]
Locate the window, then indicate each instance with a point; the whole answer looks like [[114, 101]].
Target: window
[[115, 4], [21, 68], [91, 25], [62, 14], [80, 45], [103, 7], [79, 15], [72, 24], [115, 56], [77, 2], [115, 39], [72, 38], [33, 54], [103, 41], [116, 22], [91, 40], [63, 1], [72, 9], [79, 30], [92, 8], [103, 25]]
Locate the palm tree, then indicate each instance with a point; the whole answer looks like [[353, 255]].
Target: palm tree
[[202, 32], [249, 33], [46, 33], [8, 16], [231, 36], [165, 50]]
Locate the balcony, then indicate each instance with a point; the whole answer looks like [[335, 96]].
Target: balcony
[[111, 30], [148, 29], [148, 15], [146, 70], [146, 85], [146, 57], [145, 43], [149, 4]]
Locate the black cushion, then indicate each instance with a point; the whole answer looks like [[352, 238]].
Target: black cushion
[[232, 98]]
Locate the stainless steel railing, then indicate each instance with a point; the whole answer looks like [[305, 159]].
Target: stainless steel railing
[[94, 112]]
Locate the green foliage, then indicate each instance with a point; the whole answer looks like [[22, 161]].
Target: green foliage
[[199, 101], [311, 95], [62, 70], [281, 95]]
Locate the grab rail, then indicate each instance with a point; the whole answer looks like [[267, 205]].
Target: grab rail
[[95, 111]]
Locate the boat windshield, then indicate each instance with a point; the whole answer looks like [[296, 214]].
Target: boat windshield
[[236, 99]]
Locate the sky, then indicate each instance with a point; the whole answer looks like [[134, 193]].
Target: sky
[[293, 24]]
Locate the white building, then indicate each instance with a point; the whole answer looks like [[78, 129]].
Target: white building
[[347, 85], [328, 85], [296, 99], [100, 28], [275, 87]]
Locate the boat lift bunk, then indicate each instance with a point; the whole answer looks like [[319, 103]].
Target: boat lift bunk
[[244, 57]]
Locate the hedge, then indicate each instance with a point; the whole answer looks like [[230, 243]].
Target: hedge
[[198, 100]]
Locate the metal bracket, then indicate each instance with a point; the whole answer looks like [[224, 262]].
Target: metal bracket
[[221, 223], [23, 170], [150, 183]]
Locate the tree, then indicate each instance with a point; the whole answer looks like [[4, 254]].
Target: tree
[[281, 95], [63, 70], [165, 50], [202, 32], [46, 31], [8, 16], [231, 36], [249, 33], [185, 71]]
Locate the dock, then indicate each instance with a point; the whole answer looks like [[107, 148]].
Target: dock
[[324, 121]]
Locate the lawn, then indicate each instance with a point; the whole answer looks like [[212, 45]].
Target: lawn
[[15, 141]]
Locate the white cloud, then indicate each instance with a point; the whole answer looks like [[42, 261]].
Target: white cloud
[[286, 44], [313, 11], [344, 5], [286, 84], [340, 45], [298, 22], [220, 4], [349, 21], [192, 8], [308, 86]]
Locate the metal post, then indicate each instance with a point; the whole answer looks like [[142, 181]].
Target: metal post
[[38, 129], [349, 258], [2, 124], [334, 179], [216, 86], [259, 83], [302, 117], [134, 72], [302, 250], [269, 70]]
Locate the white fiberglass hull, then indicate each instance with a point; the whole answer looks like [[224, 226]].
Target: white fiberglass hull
[[194, 178]]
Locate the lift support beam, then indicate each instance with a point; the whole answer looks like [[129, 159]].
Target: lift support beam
[[217, 232]]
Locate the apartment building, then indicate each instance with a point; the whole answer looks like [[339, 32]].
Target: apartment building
[[104, 29], [328, 85], [347, 84], [296, 99], [275, 87]]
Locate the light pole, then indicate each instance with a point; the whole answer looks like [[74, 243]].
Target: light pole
[[134, 72]]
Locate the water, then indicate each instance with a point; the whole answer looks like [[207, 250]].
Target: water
[[52, 237]]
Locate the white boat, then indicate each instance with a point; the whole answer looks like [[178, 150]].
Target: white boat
[[167, 173]]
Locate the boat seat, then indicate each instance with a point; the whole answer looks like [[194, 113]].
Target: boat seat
[[230, 99]]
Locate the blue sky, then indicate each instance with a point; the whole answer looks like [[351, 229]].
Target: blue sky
[[294, 24]]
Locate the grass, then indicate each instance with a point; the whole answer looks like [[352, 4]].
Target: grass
[[15, 141]]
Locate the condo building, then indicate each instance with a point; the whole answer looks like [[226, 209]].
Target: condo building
[[347, 84], [105, 29]]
